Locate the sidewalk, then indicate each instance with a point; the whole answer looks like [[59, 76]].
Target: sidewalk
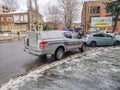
[[10, 37]]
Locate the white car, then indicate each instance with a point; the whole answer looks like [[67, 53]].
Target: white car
[[110, 32], [116, 34], [102, 39]]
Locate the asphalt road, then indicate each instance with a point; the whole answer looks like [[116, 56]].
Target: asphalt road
[[14, 61]]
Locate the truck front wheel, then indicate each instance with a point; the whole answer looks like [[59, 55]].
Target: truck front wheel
[[59, 54], [83, 48]]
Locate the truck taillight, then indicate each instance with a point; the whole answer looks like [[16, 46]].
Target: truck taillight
[[42, 44]]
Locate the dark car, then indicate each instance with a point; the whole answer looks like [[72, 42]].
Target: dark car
[[79, 31]]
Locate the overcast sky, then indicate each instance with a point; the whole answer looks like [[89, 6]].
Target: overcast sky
[[41, 4]]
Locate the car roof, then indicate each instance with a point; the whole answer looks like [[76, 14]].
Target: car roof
[[55, 31], [100, 33]]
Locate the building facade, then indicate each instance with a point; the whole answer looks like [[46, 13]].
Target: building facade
[[95, 16], [4, 9], [20, 21]]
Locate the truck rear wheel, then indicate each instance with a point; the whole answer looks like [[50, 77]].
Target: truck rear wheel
[[59, 54], [43, 57], [83, 48]]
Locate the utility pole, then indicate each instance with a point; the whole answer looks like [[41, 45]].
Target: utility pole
[[36, 6], [88, 26], [29, 14], [85, 15], [30, 4], [37, 14]]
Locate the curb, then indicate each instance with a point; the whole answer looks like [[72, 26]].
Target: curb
[[11, 39]]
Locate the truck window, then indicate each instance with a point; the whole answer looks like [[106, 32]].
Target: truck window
[[68, 35], [76, 35]]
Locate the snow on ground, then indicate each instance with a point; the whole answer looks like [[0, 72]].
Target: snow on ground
[[14, 84]]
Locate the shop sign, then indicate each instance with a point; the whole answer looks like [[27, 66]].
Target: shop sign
[[101, 21]]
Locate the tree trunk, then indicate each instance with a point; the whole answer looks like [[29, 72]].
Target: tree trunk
[[116, 20]]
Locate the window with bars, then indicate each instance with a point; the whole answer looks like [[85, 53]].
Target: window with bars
[[94, 9], [2, 19], [9, 19]]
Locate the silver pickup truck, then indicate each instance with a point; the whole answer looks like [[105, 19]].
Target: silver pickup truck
[[55, 42]]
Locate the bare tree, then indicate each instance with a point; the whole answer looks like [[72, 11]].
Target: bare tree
[[53, 14], [11, 4], [65, 11], [70, 10]]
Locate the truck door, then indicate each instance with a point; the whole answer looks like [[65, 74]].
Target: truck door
[[69, 42], [77, 43]]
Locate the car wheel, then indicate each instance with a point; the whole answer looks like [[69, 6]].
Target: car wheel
[[93, 44], [59, 54], [116, 43], [83, 48]]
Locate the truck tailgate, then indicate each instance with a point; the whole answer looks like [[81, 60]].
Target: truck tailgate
[[33, 39]]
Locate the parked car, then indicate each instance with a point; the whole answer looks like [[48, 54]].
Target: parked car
[[55, 42], [116, 34], [101, 39], [110, 32]]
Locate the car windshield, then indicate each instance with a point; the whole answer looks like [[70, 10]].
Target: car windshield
[[98, 35]]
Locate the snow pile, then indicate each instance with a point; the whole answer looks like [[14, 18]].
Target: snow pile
[[14, 84]]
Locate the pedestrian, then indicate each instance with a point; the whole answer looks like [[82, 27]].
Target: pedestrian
[[18, 33]]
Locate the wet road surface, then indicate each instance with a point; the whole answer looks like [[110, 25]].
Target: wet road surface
[[14, 61], [97, 70]]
